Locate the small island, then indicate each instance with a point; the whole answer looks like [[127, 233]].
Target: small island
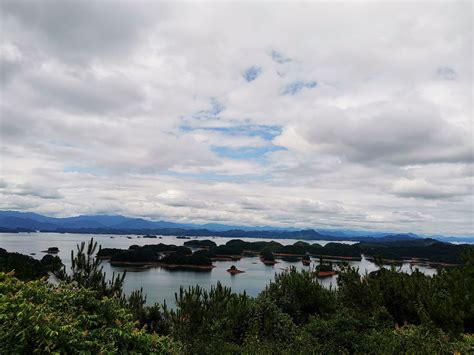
[[199, 255], [234, 271], [306, 260], [52, 250], [171, 257], [267, 257], [324, 269]]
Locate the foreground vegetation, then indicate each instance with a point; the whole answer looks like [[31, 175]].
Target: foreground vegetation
[[387, 312]]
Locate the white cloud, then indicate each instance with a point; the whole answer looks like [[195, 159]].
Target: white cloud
[[119, 109]]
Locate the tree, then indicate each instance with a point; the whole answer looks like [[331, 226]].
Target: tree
[[26, 267], [37, 316], [299, 295], [86, 270]]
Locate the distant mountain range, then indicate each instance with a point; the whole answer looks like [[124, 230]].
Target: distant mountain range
[[15, 221], [35, 221]]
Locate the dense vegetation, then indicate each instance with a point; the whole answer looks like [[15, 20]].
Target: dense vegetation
[[196, 243], [384, 312], [136, 255], [26, 267], [38, 317], [184, 258], [387, 312], [426, 249]]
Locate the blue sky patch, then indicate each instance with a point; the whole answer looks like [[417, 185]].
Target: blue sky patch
[[279, 57], [79, 169], [246, 153], [446, 73], [252, 73], [216, 108], [219, 177], [297, 86], [263, 131]]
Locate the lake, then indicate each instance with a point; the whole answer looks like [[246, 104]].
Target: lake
[[161, 284]]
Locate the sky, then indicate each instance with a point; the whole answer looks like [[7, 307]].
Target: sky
[[312, 114]]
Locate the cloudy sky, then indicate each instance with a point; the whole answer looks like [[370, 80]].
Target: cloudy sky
[[329, 115]]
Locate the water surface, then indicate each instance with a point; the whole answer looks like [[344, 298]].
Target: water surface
[[160, 284]]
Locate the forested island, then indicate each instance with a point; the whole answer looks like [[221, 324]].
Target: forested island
[[386, 311], [199, 254]]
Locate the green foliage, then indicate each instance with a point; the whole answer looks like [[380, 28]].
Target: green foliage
[[300, 295], [292, 249], [204, 253], [353, 293], [26, 267], [227, 250], [200, 243], [160, 248], [267, 321], [429, 249], [183, 251], [203, 318], [324, 265], [39, 317], [384, 312], [183, 259], [267, 255], [412, 339], [108, 252], [152, 318], [137, 255], [86, 271], [443, 301]]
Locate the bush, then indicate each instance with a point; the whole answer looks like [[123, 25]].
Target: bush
[[39, 317], [299, 295], [26, 267], [204, 318]]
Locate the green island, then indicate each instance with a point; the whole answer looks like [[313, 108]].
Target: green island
[[386, 311], [199, 255]]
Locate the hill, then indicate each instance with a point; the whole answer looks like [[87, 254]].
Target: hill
[[15, 221]]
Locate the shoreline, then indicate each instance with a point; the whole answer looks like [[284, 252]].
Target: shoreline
[[149, 264]]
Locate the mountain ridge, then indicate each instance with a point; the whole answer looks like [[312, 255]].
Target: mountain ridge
[[117, 224]]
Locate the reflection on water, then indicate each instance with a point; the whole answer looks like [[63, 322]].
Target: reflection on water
[[160, 284]]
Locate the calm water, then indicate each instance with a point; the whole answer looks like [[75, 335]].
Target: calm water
[[160, 284]]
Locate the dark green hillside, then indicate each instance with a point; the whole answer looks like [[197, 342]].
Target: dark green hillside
[[135, 256], [428, 249], [108, 252], [26, 267], [196, 243], [186, 260]]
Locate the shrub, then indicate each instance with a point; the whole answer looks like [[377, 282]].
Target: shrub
[[26, 267], [38, 317], [299, 295]]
